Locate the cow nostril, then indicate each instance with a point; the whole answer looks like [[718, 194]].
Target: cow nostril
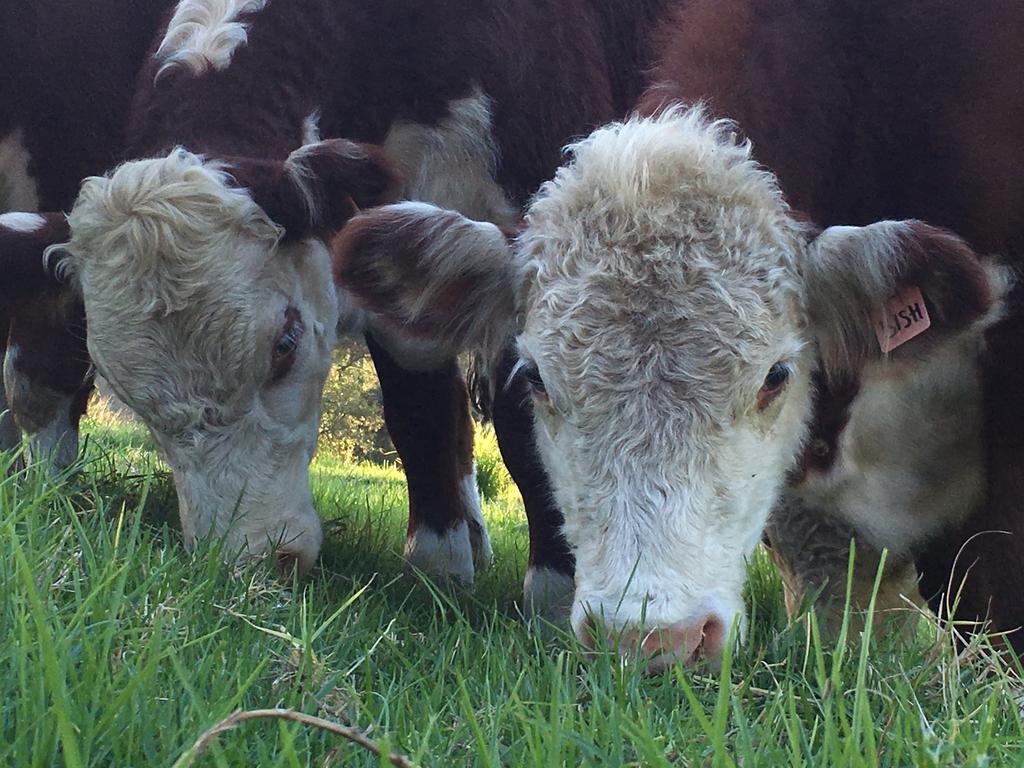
[[660, 647], [288, 561], [711, 641], [688, 643]]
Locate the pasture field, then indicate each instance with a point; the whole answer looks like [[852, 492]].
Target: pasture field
[[118, 649]]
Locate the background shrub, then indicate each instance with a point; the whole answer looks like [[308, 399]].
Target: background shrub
[[492, 478], [352, 424]]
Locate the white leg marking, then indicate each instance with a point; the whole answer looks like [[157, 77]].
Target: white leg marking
[[548, 594], [57, 441], [18, 190], [42, 412], [452, 164], [203, 34], [483, 554], [22, 222], [449, 554]]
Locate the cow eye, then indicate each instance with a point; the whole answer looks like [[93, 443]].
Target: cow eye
[[287, 343], [773, 385], [531, 374]]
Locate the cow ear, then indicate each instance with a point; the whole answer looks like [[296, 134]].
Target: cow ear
[[430, 274], [320, 186], [895, 289], [24, 240]]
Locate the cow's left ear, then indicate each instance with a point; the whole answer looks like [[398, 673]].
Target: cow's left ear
[[430, 276], [24, 238], [897, 289], [320, 186]]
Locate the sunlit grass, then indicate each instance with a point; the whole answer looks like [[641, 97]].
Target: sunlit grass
[[118, 649]]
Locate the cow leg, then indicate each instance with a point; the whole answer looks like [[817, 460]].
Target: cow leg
[[10, 435], [427, 416], [46, 377], [549, 583]]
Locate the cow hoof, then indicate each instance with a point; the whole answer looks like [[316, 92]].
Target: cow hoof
[[548, 594], [445, 555]]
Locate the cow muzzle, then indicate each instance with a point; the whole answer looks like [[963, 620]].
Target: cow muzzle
[[658, 648]]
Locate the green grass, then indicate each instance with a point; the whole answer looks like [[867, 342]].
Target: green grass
[[118, 649]]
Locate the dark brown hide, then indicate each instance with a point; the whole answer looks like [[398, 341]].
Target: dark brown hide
[[553, 70], [22, 271]]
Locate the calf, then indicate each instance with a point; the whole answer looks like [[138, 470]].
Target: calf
[[68, 70], [838, 102], [669, 311], [680, 324], [203, 265]]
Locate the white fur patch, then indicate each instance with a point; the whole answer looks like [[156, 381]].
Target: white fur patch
[[18, 190], [448, 554], [22, 222], [203, 34], [311, 128], [452, 164], [910, 461], [547, 593], [483, 554]]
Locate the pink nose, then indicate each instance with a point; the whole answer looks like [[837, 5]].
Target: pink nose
[[662, 647]]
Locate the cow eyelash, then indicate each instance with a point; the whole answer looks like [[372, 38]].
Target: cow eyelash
[[287, 344]]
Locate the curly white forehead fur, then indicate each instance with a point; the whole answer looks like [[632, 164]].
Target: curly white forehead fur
[[670, 226], [158, 249]]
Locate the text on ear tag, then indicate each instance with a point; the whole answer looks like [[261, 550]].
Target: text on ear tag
[[905, 316]]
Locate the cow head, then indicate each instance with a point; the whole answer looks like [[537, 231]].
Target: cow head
[[669, 311], [212, 314], [46, 379]]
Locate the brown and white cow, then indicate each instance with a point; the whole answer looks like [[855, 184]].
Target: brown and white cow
[[673, 312], [68, 73], [881, 110], [203, 263]]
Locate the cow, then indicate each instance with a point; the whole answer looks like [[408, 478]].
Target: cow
[[203, 261], [68, 73], [700, 346]]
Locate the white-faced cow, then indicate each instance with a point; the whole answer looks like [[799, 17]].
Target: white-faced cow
[[66, 78], [203, 264], [687, 333], [879, 110]]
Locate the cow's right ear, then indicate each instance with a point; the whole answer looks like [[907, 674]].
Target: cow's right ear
[[430, 274], [24, 238], [320, 186]]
